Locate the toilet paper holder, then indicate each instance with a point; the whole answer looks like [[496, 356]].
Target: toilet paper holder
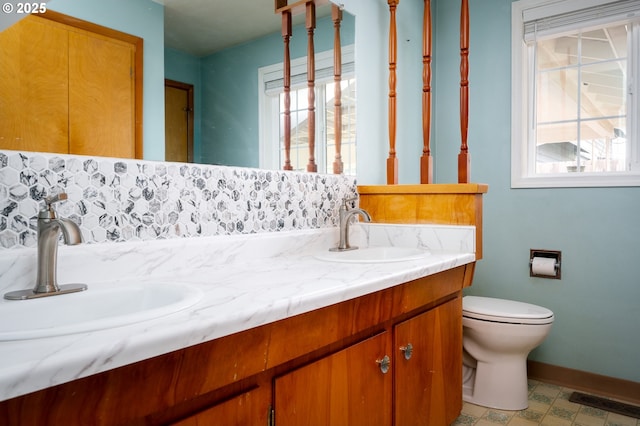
[[556, 255]]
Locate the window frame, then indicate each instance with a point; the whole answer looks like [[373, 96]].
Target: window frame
[[523, 173], [269, 132]]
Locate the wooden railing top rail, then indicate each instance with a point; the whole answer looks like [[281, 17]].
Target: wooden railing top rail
[[436, 188], [296, 7]]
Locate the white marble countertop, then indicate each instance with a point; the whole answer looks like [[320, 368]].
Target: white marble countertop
[[246, 281]]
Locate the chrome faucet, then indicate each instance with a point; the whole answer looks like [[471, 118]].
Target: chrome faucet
[[345, 218], [50, 226]]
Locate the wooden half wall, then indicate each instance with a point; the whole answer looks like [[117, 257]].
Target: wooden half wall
[[452, 204]]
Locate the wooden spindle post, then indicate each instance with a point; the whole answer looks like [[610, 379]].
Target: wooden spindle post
[[286, 36], [336, 17], [392, 161], [311, 70], [426, 161], [464, 160]]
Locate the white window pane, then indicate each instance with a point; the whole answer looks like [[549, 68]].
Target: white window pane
[[603, 90], [604, 44], [603, 148], [557, 52], [331, 155], [281, 126], [557, 95], [556, 147], [302, 98]]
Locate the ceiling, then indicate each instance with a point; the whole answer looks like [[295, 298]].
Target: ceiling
[[202, 27]]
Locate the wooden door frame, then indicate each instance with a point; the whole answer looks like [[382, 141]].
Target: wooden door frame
[[189, 89], [138, 43]]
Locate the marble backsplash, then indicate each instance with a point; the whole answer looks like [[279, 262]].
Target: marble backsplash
[[117, 200]]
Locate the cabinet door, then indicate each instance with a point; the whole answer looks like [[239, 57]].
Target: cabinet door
[[34, 86], [247, 409], [346, 388], [66, 90], [101, 96], [428, 384]]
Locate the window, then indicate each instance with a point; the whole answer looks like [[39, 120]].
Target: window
[[574, 76], [272, 114]]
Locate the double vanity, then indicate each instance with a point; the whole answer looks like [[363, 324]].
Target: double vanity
[[243, 329], [212, 297]]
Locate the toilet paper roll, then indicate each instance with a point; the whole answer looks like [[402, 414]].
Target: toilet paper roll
[[543, 266]]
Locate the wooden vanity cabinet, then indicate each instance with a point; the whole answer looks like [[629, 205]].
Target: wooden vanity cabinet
[[316, 368], [354, 386]]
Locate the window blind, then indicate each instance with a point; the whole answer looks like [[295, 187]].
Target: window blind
[[274, 79], [323, 74], [552, 19]]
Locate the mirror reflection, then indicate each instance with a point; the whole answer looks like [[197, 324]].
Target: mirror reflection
[[234, 114]]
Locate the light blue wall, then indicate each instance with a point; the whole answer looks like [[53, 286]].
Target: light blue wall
[[145, 19], [597, 301], [230, 102], [185, 68], [230, 91]]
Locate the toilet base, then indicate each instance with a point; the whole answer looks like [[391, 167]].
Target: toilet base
[[501, 385]]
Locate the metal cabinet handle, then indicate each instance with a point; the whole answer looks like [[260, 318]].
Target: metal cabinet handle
[[384, 363], [407, 350]]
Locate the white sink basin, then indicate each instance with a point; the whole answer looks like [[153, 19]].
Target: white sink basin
[[99, 307], [374, 255]]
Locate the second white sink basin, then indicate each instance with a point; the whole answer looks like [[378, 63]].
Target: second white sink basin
[[99, 307], [374, 255]]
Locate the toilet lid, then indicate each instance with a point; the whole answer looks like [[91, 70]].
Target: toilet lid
[[509, 311]]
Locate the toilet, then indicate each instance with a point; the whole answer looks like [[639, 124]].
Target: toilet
[[497, 338]]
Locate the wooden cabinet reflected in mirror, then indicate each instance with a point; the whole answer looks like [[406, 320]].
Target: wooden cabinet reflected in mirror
[[178, 121], [70, 86]]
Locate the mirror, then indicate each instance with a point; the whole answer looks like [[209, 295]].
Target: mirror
[[224, 76]]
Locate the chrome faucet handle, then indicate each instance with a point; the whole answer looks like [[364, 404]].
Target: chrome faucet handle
[[47, 211], [346, 202], [55, 198]]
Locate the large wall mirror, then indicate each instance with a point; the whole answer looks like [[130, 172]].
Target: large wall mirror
[[217, 47]]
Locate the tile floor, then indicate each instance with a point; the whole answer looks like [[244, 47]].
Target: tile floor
[[548, 406]]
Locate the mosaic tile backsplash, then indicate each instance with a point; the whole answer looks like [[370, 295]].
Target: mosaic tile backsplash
[[126, 200]]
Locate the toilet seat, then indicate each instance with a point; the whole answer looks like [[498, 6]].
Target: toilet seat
[[504, 311]]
